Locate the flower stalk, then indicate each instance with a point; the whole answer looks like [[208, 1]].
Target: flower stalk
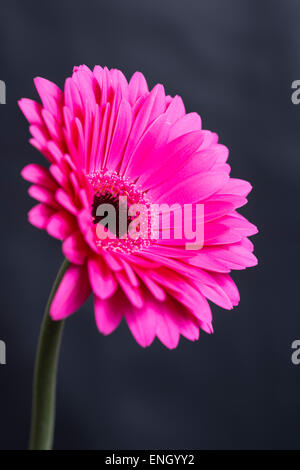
[[44, 385]]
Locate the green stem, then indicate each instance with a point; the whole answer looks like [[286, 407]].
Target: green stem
[[44, 385]]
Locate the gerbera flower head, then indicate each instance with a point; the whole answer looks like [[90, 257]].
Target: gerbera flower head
[[114, 144]]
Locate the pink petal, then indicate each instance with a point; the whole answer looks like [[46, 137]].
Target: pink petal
[[108, 313], [188, 123], [74, 248], [42, 194], [212, 291], [169, 158], [61, 225], [237, 222], [185, 292], [40, 134], [142, 324], [39, 215], [132, 293], [153, 287], [132, 278], [217, 233], [72, 97], [167, 329], [187, 325], [65, 201], [39, 175], [214, 210], [31, 110], [234, 256], [228, 285], [120, 135], [72, 292], [153, 106], [237, 187], [52, 124], [112, 261], [102, 280], [175, 110], [60, 176], [137, 87], [145, 155], [48, 92], [207, 261], [192, 190]]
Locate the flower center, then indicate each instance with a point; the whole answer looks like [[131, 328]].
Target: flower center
[[111, 219], [121, 213]]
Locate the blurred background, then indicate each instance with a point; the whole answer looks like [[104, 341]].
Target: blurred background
[[233, 62]]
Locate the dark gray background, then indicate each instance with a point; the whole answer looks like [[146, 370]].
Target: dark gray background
[[233, 62]]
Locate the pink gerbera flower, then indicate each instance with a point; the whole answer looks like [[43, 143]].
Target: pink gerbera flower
[[106, 138]]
